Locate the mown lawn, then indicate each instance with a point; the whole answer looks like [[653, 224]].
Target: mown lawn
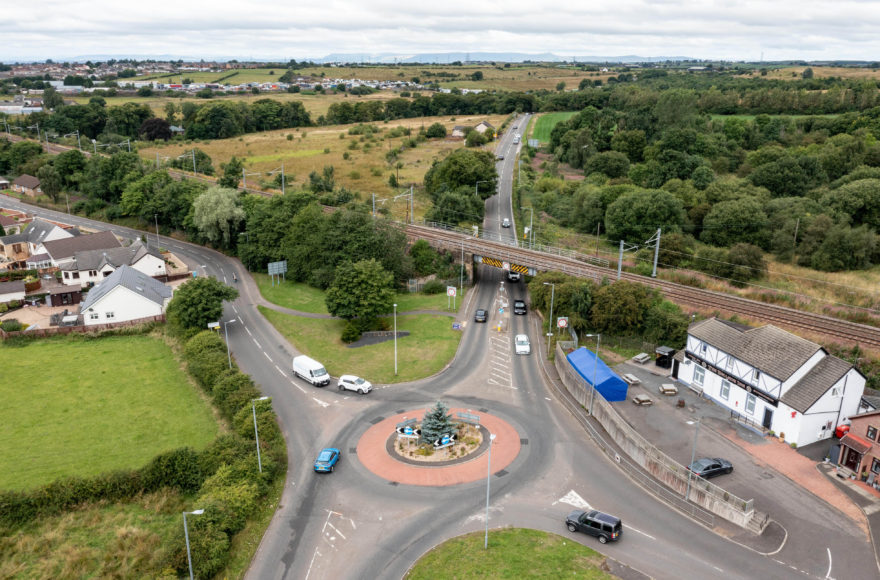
[[75, 406], [430, 345], [304, 298], [512, 553], [545, 123]]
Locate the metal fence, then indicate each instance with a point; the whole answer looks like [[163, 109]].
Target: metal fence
[[665, 477]]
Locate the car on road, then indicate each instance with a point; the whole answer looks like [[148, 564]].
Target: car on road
[[519, 307], [710, 467], [516, 126], [481, 315], [514, 276], [354, 383], [327, 460], [499, 157], [505, 223], [522, 345], [605, 527]]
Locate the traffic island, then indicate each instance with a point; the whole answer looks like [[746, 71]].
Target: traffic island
[[373, 452]]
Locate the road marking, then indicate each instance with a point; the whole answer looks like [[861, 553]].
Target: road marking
[[494, 382], [573, 499], [828, 573], [240, 320], [719, 569], [548, 398], [337, 531], [268, 357], [235, 310], [312, 563], [297, 386], [279, 369], [249, 331], [653, 538], [320, 402], [258, 344]]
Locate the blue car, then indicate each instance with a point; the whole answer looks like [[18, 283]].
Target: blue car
[[327, 459]]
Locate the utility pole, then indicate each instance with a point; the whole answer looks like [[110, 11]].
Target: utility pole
[[194, 161], [655, 238], [796, 226]]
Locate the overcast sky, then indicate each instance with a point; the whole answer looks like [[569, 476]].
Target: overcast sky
[[729, 29]]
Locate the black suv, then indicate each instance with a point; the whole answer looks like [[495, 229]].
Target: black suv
[[605, 527], [480, 315], [519, 307]]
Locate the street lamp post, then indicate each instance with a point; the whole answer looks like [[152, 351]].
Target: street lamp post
[[256, 431], [226, 332], [550, 325], [687, 494], [477, 186], [531, 231], [595, 370], [488, 481], [156, 217], [186, 535], [395, 339]]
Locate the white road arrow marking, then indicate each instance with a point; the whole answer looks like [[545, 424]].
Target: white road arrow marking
[[573, 499]]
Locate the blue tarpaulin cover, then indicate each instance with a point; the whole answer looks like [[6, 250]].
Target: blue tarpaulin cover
[[608, 384]]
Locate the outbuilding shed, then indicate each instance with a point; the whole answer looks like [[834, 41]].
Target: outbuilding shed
[[608, 384]]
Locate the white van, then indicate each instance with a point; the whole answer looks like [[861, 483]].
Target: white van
[[311, 371]]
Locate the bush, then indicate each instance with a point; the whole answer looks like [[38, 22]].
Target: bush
[[433, 287], [351, 332], [179, 468], [206, 368], [11, 325]]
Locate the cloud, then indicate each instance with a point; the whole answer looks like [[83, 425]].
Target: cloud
[[734, 29]]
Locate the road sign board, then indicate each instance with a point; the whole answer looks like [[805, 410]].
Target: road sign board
[[562, 321], [505, 265], [450, 290]]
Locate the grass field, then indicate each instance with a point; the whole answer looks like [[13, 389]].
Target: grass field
[[82, 407], [312, 148], [545, 123], [789, 73], [302, 297], [512, 553], [430, 345]]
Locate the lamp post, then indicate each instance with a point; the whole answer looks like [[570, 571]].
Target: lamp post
[[687, 494], [477, 186], [531, 231], [156, 217], [256, 432], [226, 332], [186, 535], [395, 339], [488, 482], [550, 324], [595, 370]]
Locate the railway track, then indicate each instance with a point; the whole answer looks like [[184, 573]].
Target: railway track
[[842, 331]]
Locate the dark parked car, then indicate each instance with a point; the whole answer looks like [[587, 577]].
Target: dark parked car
[[327, 459], [480, 315], [595, 523], [519, 307], [710, 467]]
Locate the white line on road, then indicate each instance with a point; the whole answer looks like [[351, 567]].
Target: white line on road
[[234, 309], [650, 536], [268, 357], [341, 535], [249, 331], [279, 369], [828, 573], [312, 563], [719, 569], [320, 402], [240, 320], [297, 386], [258, 344]]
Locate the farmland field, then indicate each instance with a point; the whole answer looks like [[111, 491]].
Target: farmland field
[[820, 72], [545, 123], [69, 410], [312, 148]]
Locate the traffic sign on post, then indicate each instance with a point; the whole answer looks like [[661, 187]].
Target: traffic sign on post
[[562, 322], [450, 290]]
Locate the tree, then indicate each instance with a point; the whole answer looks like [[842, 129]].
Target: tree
[[436, 131], [127, 119], [741, 220], [611, 163], [436, 423], [474, 138], [70, 166], [665, 323], [463, 168], [198, 302], [217, 213], [631, 143], [560, 86], [145, 92], [845, 248], [51, 98], [747, 263], [155, 128], [807, 74], [477, 76], [454, 207], [323, 182], [171, 110], [636, 216], [50, 181], [362, 290], [232, 172], [620, 307]]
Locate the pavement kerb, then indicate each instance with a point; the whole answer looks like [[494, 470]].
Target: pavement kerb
[[572, 406]]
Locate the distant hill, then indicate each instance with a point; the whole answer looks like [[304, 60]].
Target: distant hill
[[447, 57]]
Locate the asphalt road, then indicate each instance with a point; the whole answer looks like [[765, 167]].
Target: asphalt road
[[355, 524]]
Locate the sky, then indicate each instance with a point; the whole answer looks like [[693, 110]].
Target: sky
[[262, 29]]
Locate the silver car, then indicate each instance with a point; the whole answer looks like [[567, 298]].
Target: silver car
[[354, 383], [522, 345]]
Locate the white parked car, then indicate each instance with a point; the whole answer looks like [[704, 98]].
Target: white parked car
[[353, 383], [522, 345]]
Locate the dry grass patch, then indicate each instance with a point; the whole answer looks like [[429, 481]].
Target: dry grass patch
[[820, 72]]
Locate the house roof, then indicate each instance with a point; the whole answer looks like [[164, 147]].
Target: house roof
[[486, 123], [804, 393], [28, 181], [136, 281], [10, 287], [856, 442], [96, 259], [865, 414], [68, 247], [7, 221], [771, 350]]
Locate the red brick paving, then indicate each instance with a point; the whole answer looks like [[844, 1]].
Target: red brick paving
[[372, 454]]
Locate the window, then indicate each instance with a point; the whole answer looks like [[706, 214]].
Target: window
[[109, 315], [703, 348], [725, 390], [76, 275], [93, 316], [875, 465], [756, 376], [93, 273], [871, 433], [699, 375], [67, 275], [750, 404], [835, 392], [729, 363]]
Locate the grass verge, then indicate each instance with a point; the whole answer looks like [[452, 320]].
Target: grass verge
[[545, 123], [512, 553], [74, 406], [305, 298], [430, 345]]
